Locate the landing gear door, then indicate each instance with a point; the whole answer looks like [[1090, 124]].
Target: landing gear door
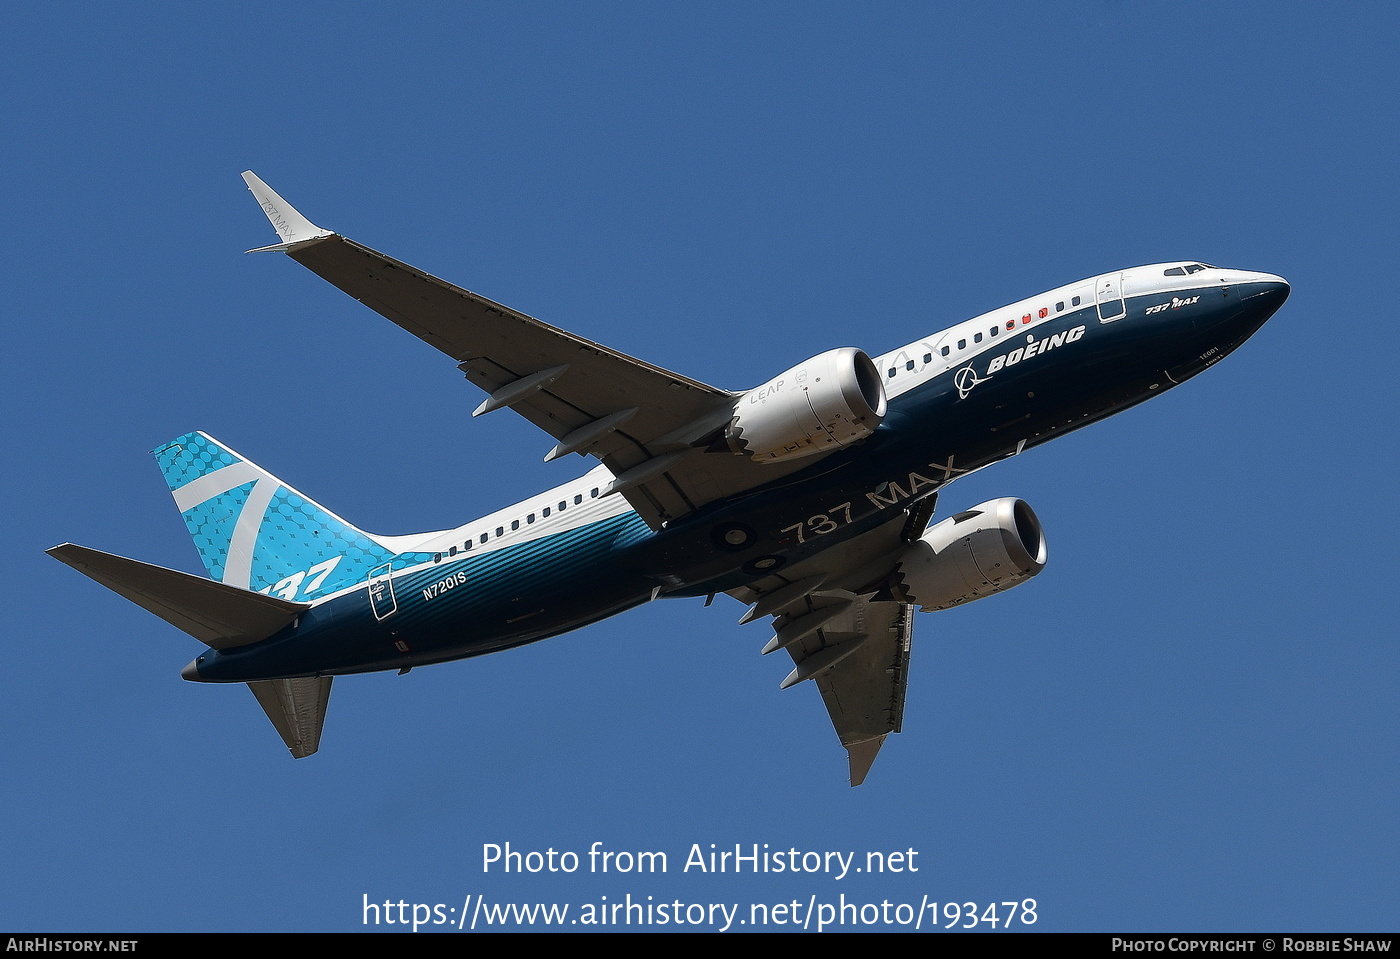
[[1109, 296], [381, 592]]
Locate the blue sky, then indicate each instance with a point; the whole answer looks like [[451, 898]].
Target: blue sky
[[1188, 722]]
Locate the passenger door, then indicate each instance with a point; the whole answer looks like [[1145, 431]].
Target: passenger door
[[1108, 294]]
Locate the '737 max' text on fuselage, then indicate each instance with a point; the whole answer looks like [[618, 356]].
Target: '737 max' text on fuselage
[[809, 497]]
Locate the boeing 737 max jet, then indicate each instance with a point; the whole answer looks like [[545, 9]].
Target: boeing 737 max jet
[[809, 498]]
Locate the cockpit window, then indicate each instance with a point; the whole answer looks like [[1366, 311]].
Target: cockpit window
[[1175, 271], [1194, 268]]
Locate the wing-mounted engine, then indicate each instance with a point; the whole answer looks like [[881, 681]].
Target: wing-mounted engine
[[984, 550], [832, 400]]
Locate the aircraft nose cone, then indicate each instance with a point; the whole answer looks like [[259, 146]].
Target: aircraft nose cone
[[1262, 298], [1270, 294]]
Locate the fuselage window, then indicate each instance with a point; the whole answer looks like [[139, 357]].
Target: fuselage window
[[515, 524], [928, 357], [1074, 302], [544, 512], [452, 551], [563, 505], [578, 498], [909, 365], [962, 344], [1060, 307], [595, 492], [467, 545], [437, 557], [500, 531], [977, 338], [996, 330], [485, 537], [530, 518], [891, 371], [945, 351]]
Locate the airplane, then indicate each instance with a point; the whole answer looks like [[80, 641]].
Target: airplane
[[809, 498]]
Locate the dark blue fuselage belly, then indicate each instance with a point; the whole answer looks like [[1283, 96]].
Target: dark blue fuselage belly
[[476, 604]]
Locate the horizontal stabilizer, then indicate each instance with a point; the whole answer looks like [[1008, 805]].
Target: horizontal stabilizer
[[215, 614], [297, 707]]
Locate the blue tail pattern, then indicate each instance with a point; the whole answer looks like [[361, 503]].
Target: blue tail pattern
[[255, 532]]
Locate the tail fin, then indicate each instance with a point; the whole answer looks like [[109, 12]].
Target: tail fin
[[255, 532]]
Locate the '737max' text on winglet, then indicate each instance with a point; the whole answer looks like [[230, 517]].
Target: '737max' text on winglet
[[809, 498], [290, 225]]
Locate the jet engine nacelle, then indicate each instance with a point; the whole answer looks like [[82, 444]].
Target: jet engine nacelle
[[832, 400], [984, 550]]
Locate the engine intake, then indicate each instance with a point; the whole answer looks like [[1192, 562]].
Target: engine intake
[[988, 549], [832, 400]]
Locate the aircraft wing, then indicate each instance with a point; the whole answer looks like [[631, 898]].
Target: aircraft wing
[[646, 424], [864, 689], [832, 615]]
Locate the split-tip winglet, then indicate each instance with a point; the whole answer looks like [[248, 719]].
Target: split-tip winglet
[[290, 225]]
